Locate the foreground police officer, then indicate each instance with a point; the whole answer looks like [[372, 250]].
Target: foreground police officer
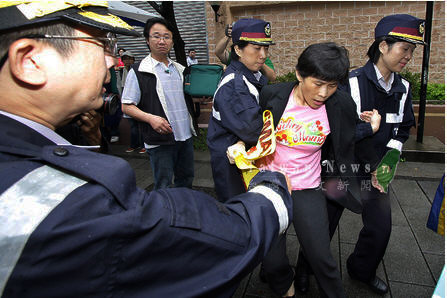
[[73, 223]]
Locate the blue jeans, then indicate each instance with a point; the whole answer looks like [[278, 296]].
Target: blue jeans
[[168, 161], [136, 139]]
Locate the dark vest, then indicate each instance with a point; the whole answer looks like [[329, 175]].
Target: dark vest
[[150, 103]]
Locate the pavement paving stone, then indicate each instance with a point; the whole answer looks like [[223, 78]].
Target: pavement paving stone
[[409, 194], [428, 240], [403, 259], [420, 170], [406, 290], [435, 264], [416, 208], [397, 214], [349, 226], [429, 188]]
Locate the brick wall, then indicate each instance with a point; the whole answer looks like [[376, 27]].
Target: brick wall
[[295, 25]]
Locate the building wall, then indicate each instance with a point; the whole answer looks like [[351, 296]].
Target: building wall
[[297, 24]]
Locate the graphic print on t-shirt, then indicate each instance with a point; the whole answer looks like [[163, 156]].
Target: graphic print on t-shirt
[[291, 132]]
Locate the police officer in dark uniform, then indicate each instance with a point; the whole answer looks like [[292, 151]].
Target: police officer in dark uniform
[[236, 114], [73, 222], [378, 88]]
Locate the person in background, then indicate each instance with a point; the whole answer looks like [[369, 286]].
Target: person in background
[[236, 115], [154, 95], [128, 59], [73, 222], [136, 139], [224, 56], [110, 129], [84, 130], [120, 64], [191, 59]]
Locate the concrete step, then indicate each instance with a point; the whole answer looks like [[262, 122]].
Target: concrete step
[[431, 150]]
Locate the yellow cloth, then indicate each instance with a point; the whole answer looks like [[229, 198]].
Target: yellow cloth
[[266, 145]]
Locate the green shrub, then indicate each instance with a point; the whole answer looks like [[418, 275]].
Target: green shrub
[[289, 77], [415, 82], [199, 142], [435, 91]]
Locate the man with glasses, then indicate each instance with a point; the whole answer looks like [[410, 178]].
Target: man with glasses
[[72, 222], [153, 94]]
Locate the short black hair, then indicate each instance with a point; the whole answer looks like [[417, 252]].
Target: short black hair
[[62, 46], [241, 44], [374, 52], [151, 22], [191, 50], [326, 61]]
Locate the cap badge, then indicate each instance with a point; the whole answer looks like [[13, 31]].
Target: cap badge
[[267, 30], [421, 28]]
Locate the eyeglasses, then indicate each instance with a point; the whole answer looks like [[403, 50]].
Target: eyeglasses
[[109, 43], [157, 37]]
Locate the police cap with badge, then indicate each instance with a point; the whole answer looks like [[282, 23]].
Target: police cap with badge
[[254, 31], [21, 14], [401, 26]]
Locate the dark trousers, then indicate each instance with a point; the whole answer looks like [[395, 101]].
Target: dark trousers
[[227, 177], [311, 222], [136, 138], [373, 237], [173, 161]]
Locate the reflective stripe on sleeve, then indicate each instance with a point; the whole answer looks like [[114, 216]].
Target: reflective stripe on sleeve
[[355, 93], [277, 202], [252, 88], [23, 206], [225, 80], [395, 144], [398, 117], [216, 114]]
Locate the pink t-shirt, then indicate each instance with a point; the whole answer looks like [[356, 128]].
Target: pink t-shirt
[[300, 133]]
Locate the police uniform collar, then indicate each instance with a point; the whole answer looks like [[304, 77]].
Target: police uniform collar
[[239, 66], [372, 76]]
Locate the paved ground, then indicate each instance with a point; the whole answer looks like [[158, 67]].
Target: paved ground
[[415, 255]]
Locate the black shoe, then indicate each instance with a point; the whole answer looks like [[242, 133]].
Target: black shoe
[[301, 280], [378, 286]]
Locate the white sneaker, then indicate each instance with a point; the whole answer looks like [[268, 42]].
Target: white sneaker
[[114, 139]]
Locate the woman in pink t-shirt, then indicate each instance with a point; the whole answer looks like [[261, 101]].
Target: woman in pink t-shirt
[[314, 122]]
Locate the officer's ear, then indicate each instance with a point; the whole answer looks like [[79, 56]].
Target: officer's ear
[[383, 47], [25, 63], [238, 51]]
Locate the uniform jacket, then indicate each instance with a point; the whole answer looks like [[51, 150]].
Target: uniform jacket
[[338, 151], [395, 107], [74, 224], [153, 100], [236, 116]]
